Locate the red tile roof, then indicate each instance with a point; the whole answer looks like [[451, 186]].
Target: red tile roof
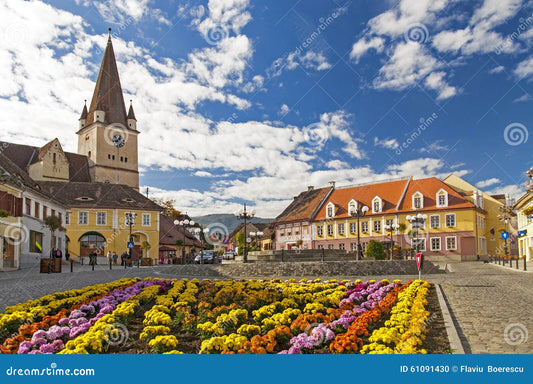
[[304, 206]]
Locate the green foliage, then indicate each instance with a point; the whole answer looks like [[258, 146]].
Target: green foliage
[[145, 245], [53, 223], [168, 206], [375, 250], [4, 213]]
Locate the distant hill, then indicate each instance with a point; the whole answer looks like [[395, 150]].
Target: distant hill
[[230, 221]]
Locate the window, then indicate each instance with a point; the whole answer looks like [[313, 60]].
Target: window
[[353, 227], [330, 210], [451, 243], [45, 212], [53, 212], [341, 229], [37, 210], [377, 226], [147, 220], [113, 157], [376, 205], [351, 207], [91, 241], [421, 243], [364, 226], [435, 243], [389, 222], [83, 218], [434, 221], [363, 247], [125, 159], [60, 217], [320, 246], [28, 206], [450, 220], [341, 246], [109, 156], [418, 200], [330, 246], [353, 247], [36, 241], [319, 230], [101, 218], [54, 159], [121, 158], [442, 198], [330, 229], [67, 218]]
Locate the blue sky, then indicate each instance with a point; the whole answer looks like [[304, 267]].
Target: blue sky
[[240, 101]]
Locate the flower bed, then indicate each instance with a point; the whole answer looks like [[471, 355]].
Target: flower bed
[[248, 316]]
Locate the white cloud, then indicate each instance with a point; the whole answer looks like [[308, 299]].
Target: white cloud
[[497, 69], [386, 143], [337, 164], [488, 182], [526, 97], [434, 147], [514, 191], [436, 81], [524, 68], [284, 109], [223, 14], [360, 47], [315, 61]]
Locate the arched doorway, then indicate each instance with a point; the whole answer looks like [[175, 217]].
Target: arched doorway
[[91, 242], [137, 252]]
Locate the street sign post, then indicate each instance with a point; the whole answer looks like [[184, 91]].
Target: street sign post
[[419, 264], [131, 244], [505, 235]]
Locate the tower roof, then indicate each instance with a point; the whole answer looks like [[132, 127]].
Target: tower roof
[[107, 94], [84, 112], [131, 114]]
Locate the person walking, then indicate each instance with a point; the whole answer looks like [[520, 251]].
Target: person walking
[[109, 257], [115, 258], [59, 254]]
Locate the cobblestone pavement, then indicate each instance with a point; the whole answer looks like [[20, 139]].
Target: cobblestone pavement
[[492, 306]]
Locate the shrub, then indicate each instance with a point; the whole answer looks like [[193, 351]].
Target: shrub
[[375, 250]]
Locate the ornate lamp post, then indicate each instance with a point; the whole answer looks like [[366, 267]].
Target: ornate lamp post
[[184, 223], [359, 211], [130, 222], [391, 228], [505, 216], [242, 214], [417, 221], [256, 235]]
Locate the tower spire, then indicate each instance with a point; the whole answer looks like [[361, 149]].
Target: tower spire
[[107, 96]]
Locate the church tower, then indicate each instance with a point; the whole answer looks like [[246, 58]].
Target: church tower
[[107, 135]]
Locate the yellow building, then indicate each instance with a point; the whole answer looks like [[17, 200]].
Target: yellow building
[[487, 225], [448, 232], [96, 219], [524, 206]]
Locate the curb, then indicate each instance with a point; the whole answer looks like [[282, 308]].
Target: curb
[[507, 268], [453, 336]]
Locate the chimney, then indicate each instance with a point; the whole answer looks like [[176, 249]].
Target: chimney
[[332, 184], [310, 188]]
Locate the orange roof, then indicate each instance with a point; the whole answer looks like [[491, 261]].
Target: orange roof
[[303, 206], [396, 197], [429, 188], [390, 192]]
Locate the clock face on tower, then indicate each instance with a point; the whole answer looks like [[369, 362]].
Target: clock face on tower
[[118, 141]]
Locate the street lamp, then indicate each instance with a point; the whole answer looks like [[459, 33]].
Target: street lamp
[[184, 223], [505, 215], [130, 221], [390, 228], [417, 221], [256, 235], [242, 214], [359, 211]]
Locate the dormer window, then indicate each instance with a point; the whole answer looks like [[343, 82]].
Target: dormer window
[[377, 204], [442, 198], [418, 200], [352, 206], [330, 210]]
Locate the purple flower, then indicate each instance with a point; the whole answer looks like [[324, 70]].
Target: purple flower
[[47, 349], [24, 348], [63, 321]]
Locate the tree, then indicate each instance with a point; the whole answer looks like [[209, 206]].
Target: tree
[[168, 206], [4, 213], [145, 246], [53, 223], [239, 238], [375, 250]]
